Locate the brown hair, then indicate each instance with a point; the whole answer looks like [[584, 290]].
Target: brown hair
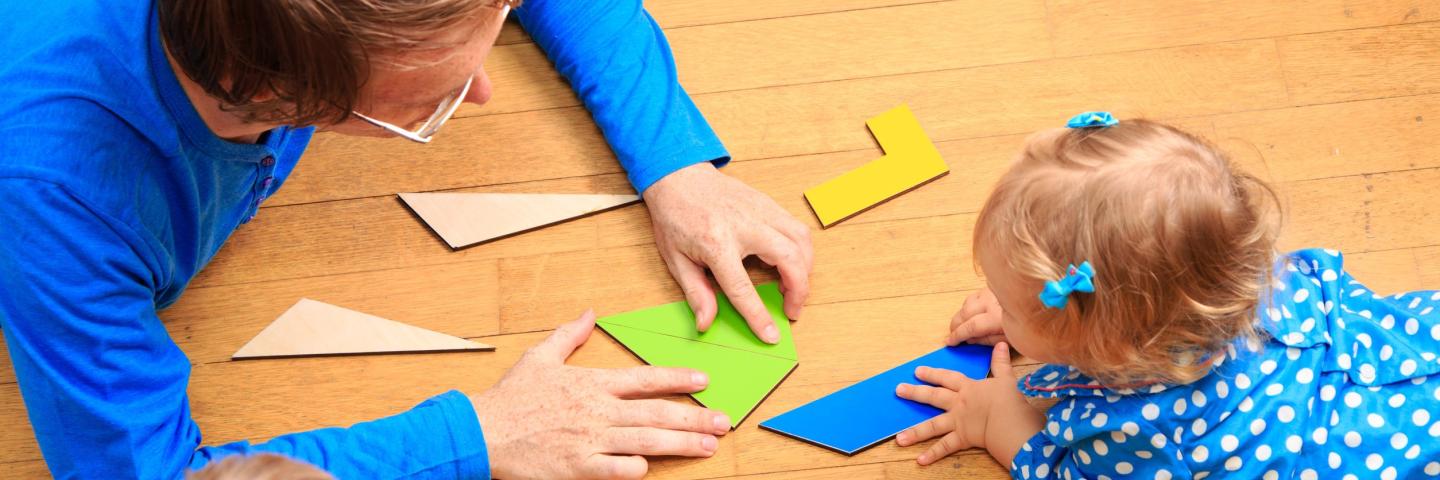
[[263, 466], [1181, 241], [306, 59]]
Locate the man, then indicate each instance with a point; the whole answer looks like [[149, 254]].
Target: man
[[139, 135]]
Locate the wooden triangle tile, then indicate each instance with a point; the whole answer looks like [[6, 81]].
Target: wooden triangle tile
[[465, 219], [313, 328]]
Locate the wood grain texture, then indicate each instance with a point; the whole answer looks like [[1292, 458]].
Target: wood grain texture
[[1085, 27], [1333, 101], [793, 120], [1427, 261], [802, 49], [1362, 64]]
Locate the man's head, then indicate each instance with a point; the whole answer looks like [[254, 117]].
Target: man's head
[[313, 62]]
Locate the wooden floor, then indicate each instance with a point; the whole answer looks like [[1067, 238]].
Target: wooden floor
[[1337, 102]]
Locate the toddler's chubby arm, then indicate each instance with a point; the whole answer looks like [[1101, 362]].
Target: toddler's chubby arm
[[978, 321], [990, 413]]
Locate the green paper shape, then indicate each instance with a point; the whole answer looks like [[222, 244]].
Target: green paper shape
[[730, 330], [743, 369], [739, 379]]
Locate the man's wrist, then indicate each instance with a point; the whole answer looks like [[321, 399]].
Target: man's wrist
[[678, 176]]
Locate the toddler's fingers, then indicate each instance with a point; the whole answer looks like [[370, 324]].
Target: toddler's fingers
[[948, 444], [935, 397], [935, 426], [972, 306], [1000, 362], [950, 379], [973, 330]]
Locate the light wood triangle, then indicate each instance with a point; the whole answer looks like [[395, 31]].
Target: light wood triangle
[[315, 328], [465, 219]]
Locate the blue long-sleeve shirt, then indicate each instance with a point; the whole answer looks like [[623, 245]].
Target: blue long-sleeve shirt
[[114, 193]]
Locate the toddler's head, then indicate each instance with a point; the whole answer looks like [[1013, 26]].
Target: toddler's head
[[1180, 242]]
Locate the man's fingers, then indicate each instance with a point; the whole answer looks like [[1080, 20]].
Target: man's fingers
[[785, 255], [949, 379], [617, 467], [800, 234], [658, 441], [649, 382], [696, 286], [566, 338], [933, 396], [671, 416], [1000, 362], [731, 276], [935, 426], [948, 444]]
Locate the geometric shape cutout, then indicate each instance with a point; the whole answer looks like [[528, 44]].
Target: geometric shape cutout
[[867, 413], [729, 329], [313, 328], [910, 161], [743, 370], [465, 219], [739, 380]]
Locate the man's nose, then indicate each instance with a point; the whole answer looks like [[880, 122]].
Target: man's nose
[[480, 91]]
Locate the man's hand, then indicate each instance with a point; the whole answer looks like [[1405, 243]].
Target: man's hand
[[972, 406], [978, 321], [549, 420], [705, 219]]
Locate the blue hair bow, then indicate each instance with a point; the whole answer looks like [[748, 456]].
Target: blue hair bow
[[1076, 279], [1092, 120]]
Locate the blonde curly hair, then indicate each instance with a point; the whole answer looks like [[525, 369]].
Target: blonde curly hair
[[1181, 241]]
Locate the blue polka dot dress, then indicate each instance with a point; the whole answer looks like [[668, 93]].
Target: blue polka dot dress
[[1347, 387]]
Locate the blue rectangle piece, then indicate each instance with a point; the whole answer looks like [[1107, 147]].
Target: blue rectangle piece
[[867, 413]]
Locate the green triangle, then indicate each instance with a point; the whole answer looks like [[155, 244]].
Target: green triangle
[[739, 379], [730, 330]]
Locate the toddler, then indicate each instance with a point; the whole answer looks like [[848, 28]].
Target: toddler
[[1140, 266]]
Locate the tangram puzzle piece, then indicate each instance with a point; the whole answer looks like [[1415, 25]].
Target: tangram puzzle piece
[[867, 413], [465, 219], [910, 161], [314, 328], [743, 370]]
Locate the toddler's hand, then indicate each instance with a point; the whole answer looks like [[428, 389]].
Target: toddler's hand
[[970, 406], [978, 321]]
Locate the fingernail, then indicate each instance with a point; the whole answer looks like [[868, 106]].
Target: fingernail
[[902, 438], [924, 458], [921, 370], [901, 389], [709, 443], [772, 334], [722, 423], [700, 379]]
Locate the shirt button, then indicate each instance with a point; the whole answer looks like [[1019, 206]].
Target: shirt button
[[267, 182], [268, 161]]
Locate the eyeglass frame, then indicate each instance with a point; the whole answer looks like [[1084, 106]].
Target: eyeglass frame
[[443, 112]]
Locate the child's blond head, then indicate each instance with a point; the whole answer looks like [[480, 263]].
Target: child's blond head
[[1179, 239]]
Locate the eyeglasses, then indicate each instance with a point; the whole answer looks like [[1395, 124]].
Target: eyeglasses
[[443, 112], [426, 131]]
